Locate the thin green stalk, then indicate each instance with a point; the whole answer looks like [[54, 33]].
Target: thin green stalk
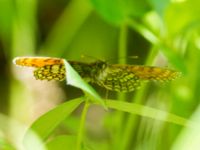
[[132, 120], [122, 53], [82, 125]]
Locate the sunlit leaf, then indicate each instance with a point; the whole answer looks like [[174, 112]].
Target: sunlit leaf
[[150, 112], [49, 121], [73, 78]]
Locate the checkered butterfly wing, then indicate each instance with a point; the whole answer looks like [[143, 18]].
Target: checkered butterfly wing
[[126, 78], [47, 68], [118, 78]]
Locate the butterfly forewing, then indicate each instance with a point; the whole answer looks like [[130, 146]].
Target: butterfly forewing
[[37, 61], [153, 73]]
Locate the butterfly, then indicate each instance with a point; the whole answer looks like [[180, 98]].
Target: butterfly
[[114, 77]]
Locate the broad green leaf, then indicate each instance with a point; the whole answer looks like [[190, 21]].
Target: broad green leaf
[[49, 121], [62, 142], [150, 112], [118, 11], [182, 16], [73, 78]]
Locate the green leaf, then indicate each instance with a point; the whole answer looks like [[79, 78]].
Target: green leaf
[[73, 78], [62, 142], [150, 112], [118, 11], [182, 16], [49, 121]]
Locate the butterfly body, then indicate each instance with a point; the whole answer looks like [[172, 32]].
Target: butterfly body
[[115, 77]]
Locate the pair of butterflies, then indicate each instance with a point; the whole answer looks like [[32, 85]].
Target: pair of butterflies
[[114, 77]]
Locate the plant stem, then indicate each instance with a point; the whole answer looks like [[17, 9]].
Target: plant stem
[[82, 124], [132, 120], [122, 53]]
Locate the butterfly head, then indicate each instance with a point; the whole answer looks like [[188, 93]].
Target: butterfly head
[[100, 65]]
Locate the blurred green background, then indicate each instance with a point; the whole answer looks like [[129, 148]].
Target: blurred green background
[[161, 33]]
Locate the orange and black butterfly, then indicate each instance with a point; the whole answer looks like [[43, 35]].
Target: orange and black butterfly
[[115, 77]]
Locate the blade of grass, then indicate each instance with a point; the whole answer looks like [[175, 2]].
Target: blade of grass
[[122, 53], [45, 125], [82, 125], [150, 112], [138, 98]]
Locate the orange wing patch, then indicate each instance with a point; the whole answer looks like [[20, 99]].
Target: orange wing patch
[[37, 61]]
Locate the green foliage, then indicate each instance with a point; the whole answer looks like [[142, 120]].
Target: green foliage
[[118, 11], [62, 141], [161, 116], [54, 118]]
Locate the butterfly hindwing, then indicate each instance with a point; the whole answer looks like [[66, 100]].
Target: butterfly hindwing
[[50, 72], [126, 78], [118, 79]]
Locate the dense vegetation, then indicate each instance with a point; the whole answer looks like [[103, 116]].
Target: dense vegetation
[[76, 115]]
